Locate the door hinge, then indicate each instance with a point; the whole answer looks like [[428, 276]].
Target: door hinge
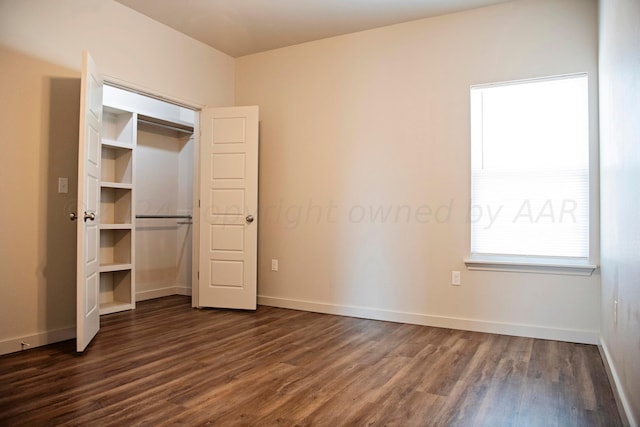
[[198, 203], [198, 275]]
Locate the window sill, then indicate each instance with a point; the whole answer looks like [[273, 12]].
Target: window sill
[[530, 265]]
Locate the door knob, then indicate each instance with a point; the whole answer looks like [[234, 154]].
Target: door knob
[[73, 216], [249, 219], [90, 215]]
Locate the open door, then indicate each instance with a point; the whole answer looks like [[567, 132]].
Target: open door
[[88, 223], [228, 208]]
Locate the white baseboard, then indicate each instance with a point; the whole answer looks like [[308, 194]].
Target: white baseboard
[[616, 385], [162, 292], [529, 331], [43, 338], [183, 290]]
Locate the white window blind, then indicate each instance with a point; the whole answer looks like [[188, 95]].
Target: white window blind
[[530, 168]]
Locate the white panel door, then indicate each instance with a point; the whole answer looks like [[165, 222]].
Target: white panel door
[[88, 237], [228, 208]]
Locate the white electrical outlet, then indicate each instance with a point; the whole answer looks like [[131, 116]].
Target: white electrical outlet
[[455, 278], [274, 265], [615, 312]]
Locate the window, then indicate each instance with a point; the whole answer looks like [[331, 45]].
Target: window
[[530, 169]]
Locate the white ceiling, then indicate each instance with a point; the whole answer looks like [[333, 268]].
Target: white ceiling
[[242, 27]]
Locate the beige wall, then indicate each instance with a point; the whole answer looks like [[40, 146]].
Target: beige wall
[[380, 120], [39, 133], [40, 54], [128, 47], [620, 151]]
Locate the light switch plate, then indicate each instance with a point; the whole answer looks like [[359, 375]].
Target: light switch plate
[[63, 185]]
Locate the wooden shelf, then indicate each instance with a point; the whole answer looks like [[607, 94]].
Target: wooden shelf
[[111, 143], [117, 279], [116, 288], [116, 226], [115, 247], [115, 307], [122, 185], [105, 268], [116, 204], [116, 165], [118, 127]]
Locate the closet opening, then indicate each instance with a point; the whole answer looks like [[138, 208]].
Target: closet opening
[[167, 202], [148, 159]]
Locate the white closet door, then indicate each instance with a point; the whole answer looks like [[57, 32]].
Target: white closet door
[[228, 208], [88, 235]]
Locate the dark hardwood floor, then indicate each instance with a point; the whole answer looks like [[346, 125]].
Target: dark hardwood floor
[[168, 364]]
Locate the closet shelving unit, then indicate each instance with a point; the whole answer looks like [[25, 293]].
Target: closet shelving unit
[[117, 211]]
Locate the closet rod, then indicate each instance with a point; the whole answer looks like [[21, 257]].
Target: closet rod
[[163, 216], [149, 122]]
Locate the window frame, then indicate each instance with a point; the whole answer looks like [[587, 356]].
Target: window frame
[[536, 264]]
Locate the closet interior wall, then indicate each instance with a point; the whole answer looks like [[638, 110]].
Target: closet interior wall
[[164, 170]]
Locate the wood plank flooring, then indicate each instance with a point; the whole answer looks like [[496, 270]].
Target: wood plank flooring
[[168, 364]]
